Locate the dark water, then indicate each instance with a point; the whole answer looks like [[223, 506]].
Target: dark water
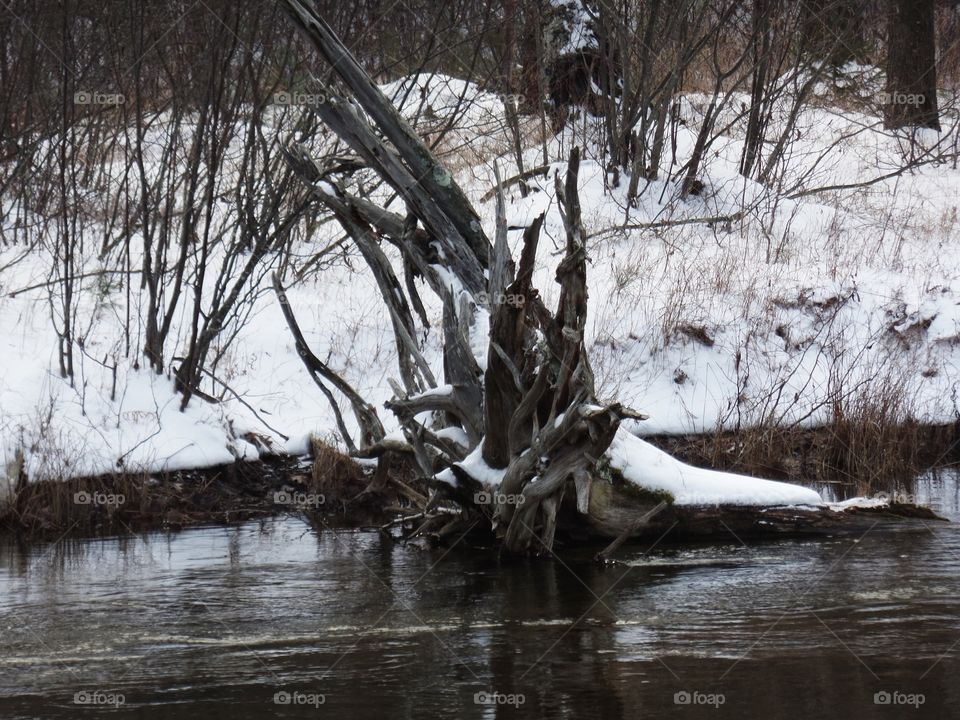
[[232, 622]]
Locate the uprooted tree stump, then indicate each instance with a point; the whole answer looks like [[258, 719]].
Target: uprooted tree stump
[[532, 417]]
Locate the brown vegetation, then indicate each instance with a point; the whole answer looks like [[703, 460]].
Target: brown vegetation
[[860, 455]]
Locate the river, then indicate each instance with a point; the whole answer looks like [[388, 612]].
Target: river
[[271, 619]]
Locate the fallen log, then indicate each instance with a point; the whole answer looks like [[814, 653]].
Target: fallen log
[[614, 512]]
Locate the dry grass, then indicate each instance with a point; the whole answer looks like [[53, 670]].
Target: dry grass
[[60, 504], [333, 473]]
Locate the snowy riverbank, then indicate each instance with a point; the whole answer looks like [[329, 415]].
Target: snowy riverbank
[[797, 308]]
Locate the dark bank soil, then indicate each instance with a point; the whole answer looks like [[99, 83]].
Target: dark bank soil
[[122, 503], [331, 489], [325, 484]]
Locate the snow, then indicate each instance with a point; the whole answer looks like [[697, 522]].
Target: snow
[[777, 317], [577, 31], [650, 468], [869, 503], [454, 434], [440, 391], [475, 466]]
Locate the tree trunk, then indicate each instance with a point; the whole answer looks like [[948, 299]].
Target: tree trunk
[[761, 61], [911, 96]]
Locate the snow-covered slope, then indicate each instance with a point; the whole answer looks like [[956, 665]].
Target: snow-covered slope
[[776, 316]]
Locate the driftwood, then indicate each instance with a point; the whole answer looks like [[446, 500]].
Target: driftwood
[[532, 415], [621, 513], [423, 165], [632, 529]]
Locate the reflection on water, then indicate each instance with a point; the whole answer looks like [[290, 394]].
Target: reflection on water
[[267, 619], [938, 489]]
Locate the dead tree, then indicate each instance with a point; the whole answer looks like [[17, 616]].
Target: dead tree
[[533, 415], [531, 418]]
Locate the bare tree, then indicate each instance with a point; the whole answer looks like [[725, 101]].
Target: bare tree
[[911, 65]]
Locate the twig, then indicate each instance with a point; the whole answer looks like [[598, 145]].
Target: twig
[[243, 402], [672, 223], [526, 174], [630, 530]]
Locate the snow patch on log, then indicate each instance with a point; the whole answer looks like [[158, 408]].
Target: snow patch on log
[[858, 503], [476, 468], [652, 469]]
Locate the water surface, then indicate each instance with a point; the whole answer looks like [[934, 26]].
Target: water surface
[[270, 619]]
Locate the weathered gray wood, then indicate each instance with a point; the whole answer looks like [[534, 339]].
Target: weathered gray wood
[[614, 513], [501, 264], [427, 170], [414, 243], [460, 366], [414, 370], [631, 530], [511, 338], [342, 117], [575, 369]]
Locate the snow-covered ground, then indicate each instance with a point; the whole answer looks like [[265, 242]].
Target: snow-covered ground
[[783, 315]]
